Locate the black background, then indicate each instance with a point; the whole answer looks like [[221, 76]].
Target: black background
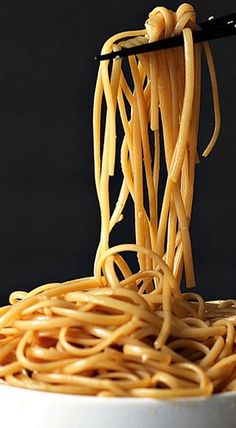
[[49, 217]]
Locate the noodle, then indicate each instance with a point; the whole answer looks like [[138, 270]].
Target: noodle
[[124, 332]]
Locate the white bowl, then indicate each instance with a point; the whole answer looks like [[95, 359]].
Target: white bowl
[[24, 408]]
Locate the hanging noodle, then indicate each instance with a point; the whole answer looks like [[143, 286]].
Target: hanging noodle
[[132, 332]]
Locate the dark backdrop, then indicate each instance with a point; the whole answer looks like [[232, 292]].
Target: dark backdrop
[[49, 218]]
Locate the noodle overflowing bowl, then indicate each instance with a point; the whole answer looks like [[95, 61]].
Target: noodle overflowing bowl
[[129, 331]]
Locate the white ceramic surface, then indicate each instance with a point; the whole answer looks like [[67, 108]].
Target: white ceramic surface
[[21, 408]]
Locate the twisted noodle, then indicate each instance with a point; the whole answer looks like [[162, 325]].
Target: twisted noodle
[[124, 332]]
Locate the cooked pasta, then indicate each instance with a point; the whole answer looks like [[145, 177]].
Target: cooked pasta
[[129, 330]]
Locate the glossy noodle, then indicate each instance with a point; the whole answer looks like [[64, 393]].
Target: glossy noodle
[[129, 330]]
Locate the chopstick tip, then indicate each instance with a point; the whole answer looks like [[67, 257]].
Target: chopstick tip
[[108, 56]]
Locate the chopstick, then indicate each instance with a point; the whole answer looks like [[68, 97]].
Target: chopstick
[[213, 28]]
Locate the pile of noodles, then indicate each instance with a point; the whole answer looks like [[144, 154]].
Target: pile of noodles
[[126, 331]]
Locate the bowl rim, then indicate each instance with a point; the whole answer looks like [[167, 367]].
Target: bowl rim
[[4, 387]]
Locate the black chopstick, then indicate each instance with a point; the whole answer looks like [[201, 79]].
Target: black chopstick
[[213, 28]]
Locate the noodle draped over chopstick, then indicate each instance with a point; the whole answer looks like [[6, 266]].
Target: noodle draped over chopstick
[[126, 331]]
